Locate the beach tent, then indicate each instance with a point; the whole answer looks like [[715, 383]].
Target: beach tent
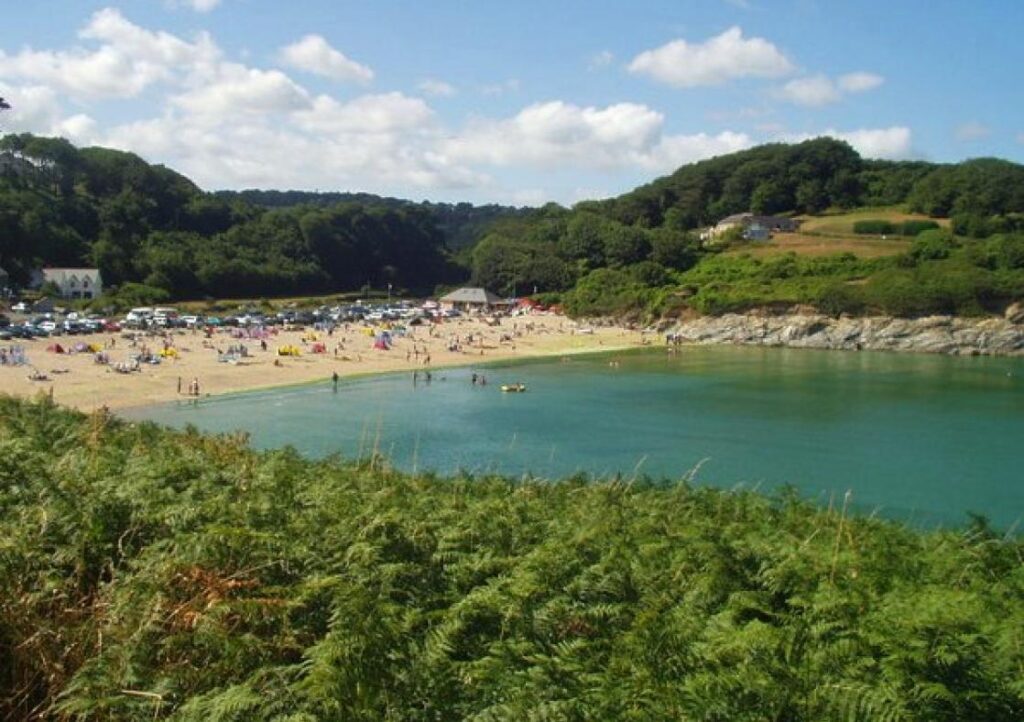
[[319, 347], [55, 348]]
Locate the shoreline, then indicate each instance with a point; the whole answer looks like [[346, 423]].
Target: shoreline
[[77, 380], [949, 335], [359, 375]]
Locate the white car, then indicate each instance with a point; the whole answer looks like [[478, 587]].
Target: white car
[[20, 307]]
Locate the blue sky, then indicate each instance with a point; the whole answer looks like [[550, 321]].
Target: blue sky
[[511, 102]]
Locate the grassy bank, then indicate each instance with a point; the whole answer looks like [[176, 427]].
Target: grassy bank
[[150, 574]]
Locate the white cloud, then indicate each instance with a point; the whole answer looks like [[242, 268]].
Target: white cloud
[[718, 60], [893, 143], [370, 114], [972, 130], [436, 88], [239, 89], [813, 91], [859, 82], [600, 60], [315, 55], [200, 6], [128, 60], [555, 134], [817, 90]]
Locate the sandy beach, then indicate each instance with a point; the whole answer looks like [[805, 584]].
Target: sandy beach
[[78, 380]]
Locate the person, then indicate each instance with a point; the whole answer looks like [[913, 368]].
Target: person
[[179, 385], [334, 378], [474, 379]]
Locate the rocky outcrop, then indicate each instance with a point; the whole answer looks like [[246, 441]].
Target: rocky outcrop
[[933, 334]]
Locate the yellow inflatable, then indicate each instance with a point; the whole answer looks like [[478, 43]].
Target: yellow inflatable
[[288, 351]]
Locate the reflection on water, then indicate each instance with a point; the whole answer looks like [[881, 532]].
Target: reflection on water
[[921, 437]]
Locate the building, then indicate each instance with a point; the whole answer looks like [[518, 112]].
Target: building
[[755, 228], [472, 299], [72, 283]]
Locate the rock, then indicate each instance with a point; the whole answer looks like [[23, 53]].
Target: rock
[[1015, 313], [933, 334]]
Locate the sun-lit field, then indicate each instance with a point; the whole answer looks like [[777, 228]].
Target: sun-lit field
[[841, 224], [833, 233]]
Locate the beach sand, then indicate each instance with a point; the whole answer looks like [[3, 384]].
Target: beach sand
[[77, 380]]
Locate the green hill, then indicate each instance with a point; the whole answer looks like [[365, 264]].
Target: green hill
[[156, 236]]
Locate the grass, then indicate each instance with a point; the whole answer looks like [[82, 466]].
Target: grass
[[832, 232], [841, 224]]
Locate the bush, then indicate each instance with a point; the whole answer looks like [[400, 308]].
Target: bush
[[874, 227], [912, 228]]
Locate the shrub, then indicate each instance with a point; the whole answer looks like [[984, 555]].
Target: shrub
[[912, 228], [874, 227]]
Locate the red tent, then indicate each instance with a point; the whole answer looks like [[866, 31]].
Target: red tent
[[55, 348]]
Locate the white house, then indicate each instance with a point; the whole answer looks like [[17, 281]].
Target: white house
[[73, 283]]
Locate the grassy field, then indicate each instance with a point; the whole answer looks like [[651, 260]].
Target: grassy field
[[833, 233], [841, 224]]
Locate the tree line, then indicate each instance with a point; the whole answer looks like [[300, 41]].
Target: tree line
[[154, 234]]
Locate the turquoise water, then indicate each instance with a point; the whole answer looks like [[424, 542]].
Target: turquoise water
[[917, 437]]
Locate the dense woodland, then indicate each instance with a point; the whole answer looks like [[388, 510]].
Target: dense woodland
[[155, 235], [147, 574]]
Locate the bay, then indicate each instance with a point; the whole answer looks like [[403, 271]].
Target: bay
[[920, 438]]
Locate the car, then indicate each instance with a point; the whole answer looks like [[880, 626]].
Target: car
[[49, 326], [20, 307]]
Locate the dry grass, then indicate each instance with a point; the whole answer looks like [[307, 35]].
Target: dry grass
[[810, 245], [833, 233], [841, 224]]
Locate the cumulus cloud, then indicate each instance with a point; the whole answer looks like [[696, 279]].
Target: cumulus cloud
[[436, 88], [716, 61], [315, 55], [555, 133], [893, 143], [200, 6], [371, 114], [813, 91], [818, 90], [128, 60], [972, 130], [859, 82], [240, 89]]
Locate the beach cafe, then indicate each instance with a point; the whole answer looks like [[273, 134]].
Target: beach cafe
[[478, 300]]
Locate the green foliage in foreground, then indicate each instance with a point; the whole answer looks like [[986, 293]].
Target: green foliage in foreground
[[148, 574]]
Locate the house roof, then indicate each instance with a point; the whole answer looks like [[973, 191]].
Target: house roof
[[58, 275], [79, 271], [472, 295], [763, 220]]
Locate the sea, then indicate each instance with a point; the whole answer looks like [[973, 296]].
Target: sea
[[925, 439]]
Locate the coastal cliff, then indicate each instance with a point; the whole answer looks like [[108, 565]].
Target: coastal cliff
[[808, 329]]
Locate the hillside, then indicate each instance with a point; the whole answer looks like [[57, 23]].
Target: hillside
[[156, 236], [151, 574]]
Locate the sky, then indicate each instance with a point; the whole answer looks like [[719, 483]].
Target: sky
[[491, 101]]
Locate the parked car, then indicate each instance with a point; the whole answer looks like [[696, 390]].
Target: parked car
[[20, 307]]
